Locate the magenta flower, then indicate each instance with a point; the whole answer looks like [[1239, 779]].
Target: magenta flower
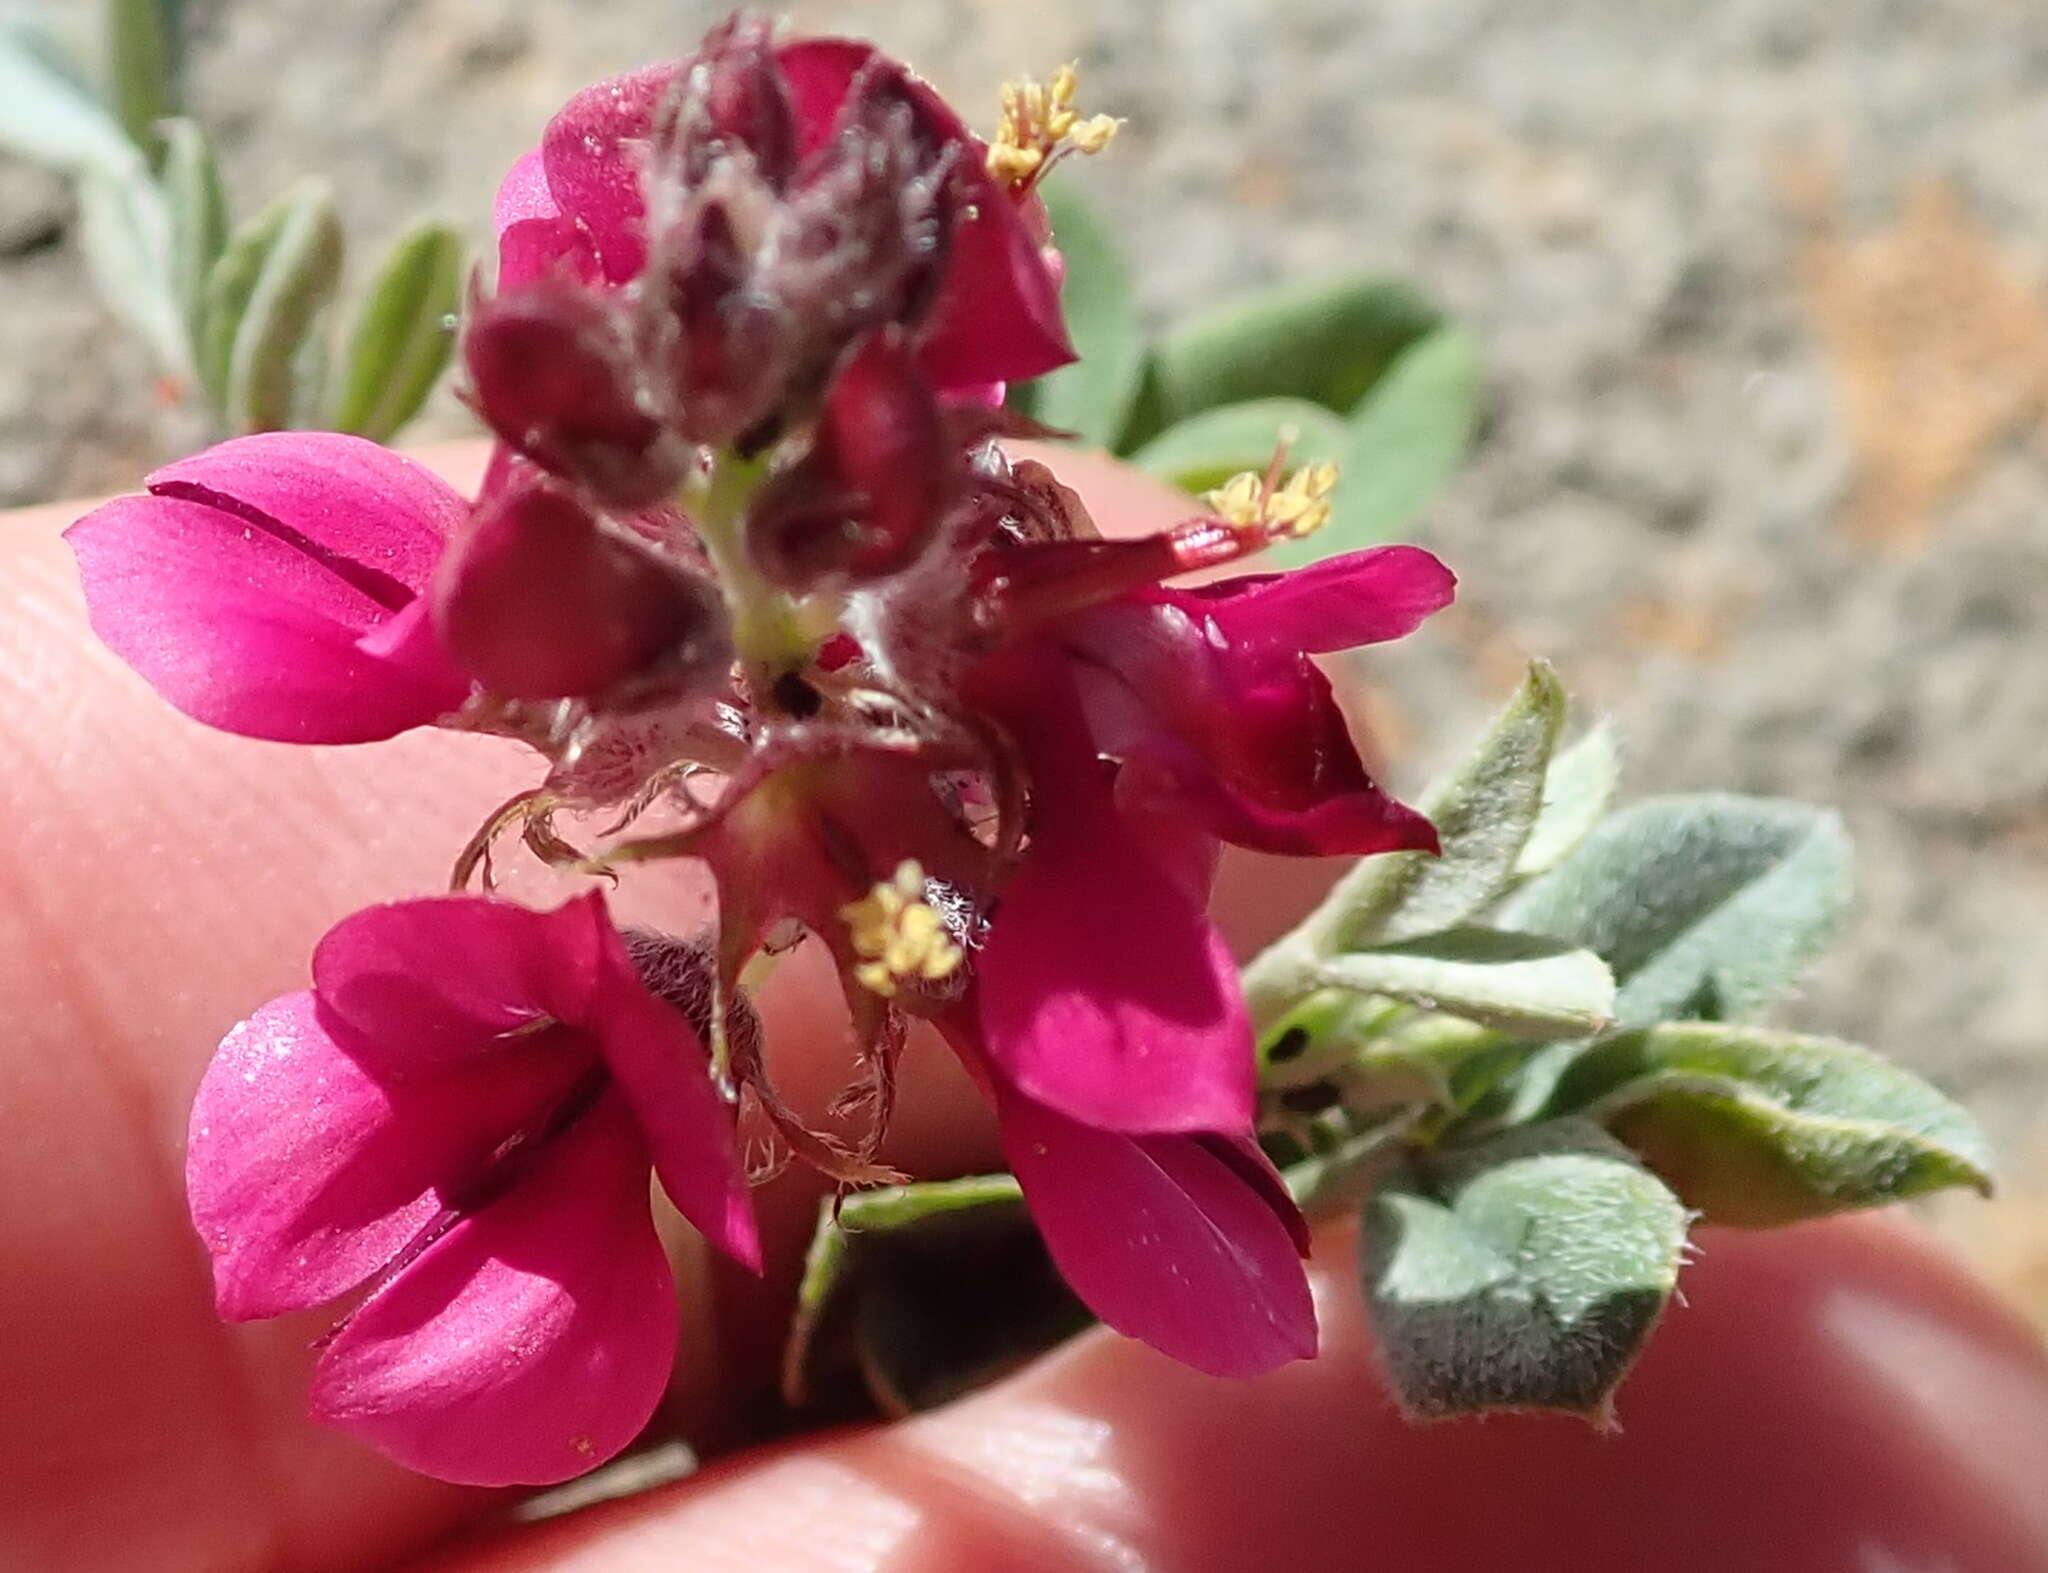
[[272, 586], [1158, 1208], [808, 113], [1189, 1243], [462, 1113], [1221, 728], [1211, 702], [750, 560]]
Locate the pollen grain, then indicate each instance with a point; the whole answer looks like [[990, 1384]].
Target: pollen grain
[[1041, 125], [899, 935]]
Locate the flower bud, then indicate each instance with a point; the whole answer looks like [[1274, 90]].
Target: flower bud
[[867, 498], [719, 344], [731, 101], [552, 371], [860, 240], [540, 600]]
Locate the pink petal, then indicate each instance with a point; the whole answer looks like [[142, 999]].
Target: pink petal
[[665, 1075], [535, 237], [244, 631], [375, 518], [594, 151], [1248, 1160], [1248, 738], [1105, 991], [537, 248], [1166, 1240], [443, 979], [997, 314], [1339, 603], [533, 1340], [306, 1173], [524, 193], [820, 73], [975, 396]]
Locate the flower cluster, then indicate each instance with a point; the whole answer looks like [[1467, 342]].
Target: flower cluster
[[752, 565]]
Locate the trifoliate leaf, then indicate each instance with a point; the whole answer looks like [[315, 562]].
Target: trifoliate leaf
[[1527, 985], [1327, 341], [1757, 1127], [1092, 397], [403, 336], [1523, 1272], [1576, 791], [924, 1292], [1483, 813], [1704, 906]]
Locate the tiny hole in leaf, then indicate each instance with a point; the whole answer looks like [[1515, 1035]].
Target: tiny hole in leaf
[[1290, 1045], [1311, 1100]]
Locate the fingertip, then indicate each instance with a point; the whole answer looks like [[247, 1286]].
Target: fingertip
[[1767, 1428]]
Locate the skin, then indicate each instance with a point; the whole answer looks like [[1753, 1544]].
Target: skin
[[1838, 1396]]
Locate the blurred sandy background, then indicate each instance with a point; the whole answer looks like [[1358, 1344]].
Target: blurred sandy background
[[1761, 289]]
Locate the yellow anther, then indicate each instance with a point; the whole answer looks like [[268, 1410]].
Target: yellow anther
[[1040, 124], [1255, 501], [899, 935]]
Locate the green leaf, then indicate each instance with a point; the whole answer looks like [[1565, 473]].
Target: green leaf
[[48, 115], [1483, 813], [1324, 1031], [125, 232], [198, 215], [1576, 792], [230, 284], [1705, 906], [1205, 450], [1339, 1174], [1093, 396], [1757, 1127], [1327, 342], [924, 1292], [403, 335], [1449, 1061], [1407, 437], [1527, 985], [1521, 1273], [279, 270], [144, 65], [1146, 418]]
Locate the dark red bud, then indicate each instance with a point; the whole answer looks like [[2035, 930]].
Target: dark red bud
[[719, 344], [730, 101], [861, 238], [878, 479], [540, 600], [553, 372]]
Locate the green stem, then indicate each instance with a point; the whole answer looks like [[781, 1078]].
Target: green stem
[[1333, 1181], [771, 633]]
